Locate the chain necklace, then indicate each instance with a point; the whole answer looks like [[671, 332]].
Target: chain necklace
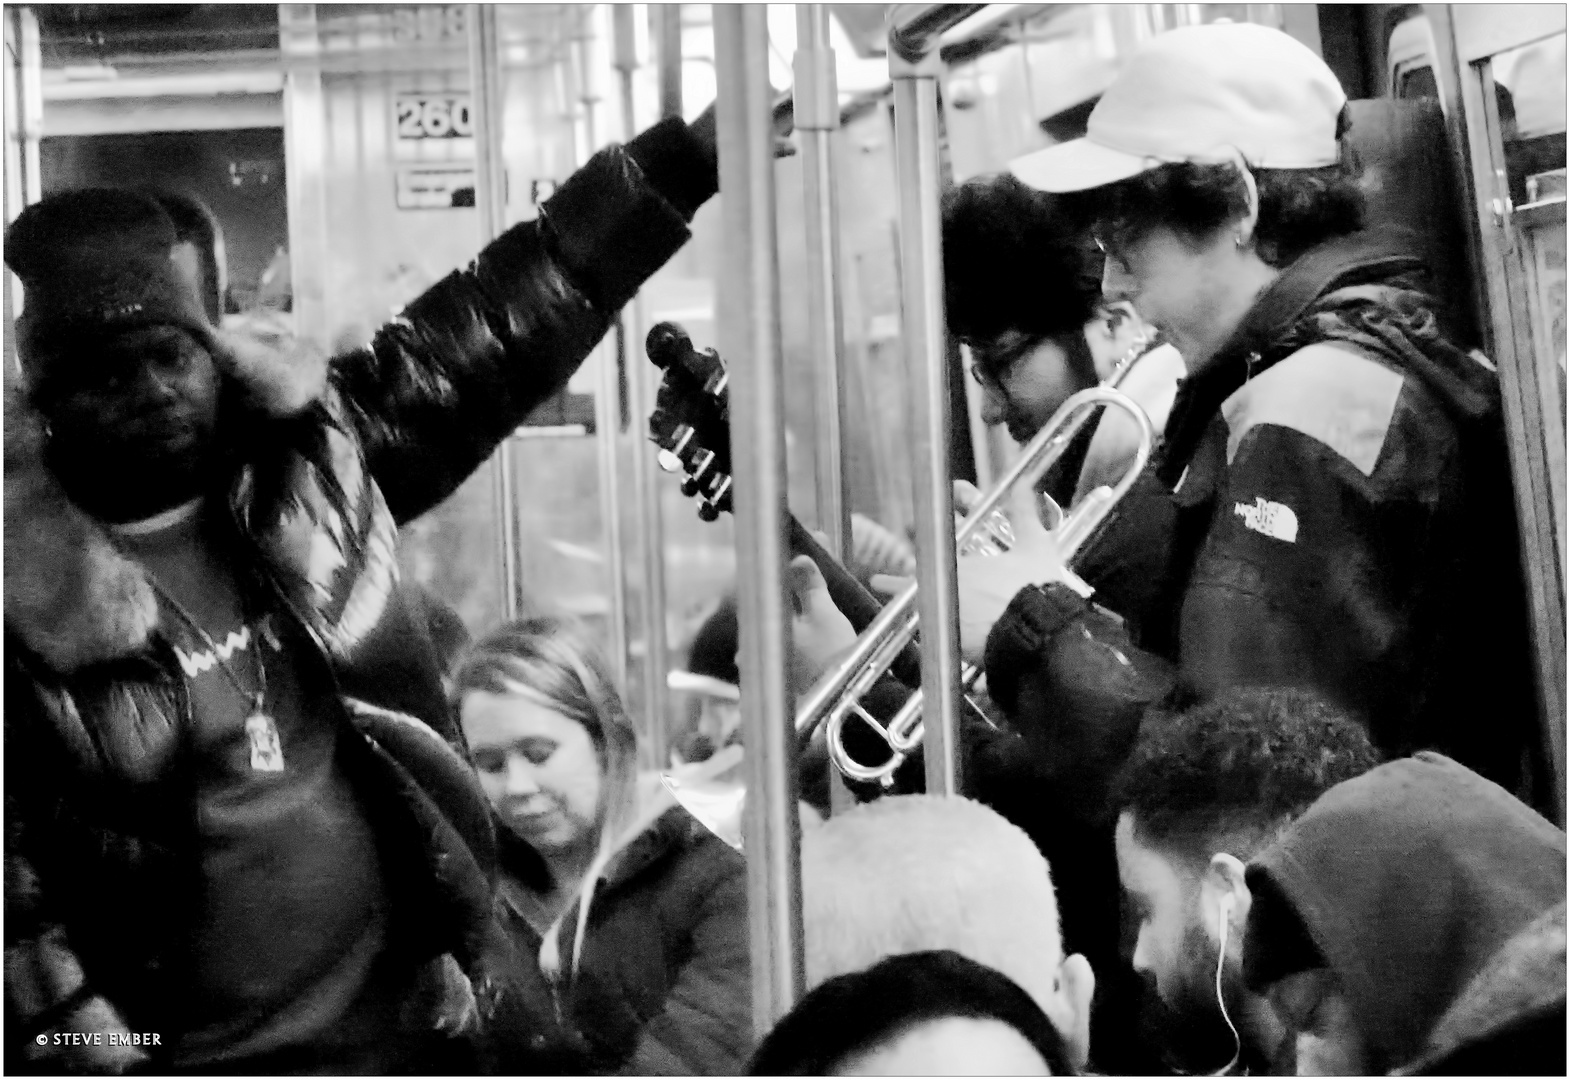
[[260, 728]]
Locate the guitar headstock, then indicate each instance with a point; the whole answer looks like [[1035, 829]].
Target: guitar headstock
[[691, 419]]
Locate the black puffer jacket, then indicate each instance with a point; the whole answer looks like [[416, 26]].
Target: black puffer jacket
[[95, 708]]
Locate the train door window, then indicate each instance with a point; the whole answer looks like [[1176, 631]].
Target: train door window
[[1511, 75], [1411, 60]]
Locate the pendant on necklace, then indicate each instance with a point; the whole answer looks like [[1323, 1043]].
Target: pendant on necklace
[[266, 746]]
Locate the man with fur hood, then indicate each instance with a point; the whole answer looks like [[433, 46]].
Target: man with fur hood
[[240, 821]]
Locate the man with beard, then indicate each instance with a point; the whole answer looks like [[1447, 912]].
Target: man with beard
[[1203, 792], [1022, 288]]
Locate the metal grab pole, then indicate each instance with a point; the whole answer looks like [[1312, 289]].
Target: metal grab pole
[[645, 470], [490, 182], [921, 273], [607, 397], [750, 334], [669, 51], [817, 118]]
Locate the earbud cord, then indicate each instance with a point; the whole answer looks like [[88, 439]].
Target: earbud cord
[[1221, 957]]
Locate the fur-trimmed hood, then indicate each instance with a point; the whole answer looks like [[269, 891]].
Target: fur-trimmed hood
[[70, 596]]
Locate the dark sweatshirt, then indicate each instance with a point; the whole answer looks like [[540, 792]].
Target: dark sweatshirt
[[1406, 882]]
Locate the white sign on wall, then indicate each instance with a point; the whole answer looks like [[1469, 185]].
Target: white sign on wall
[[440, 115], [435, 187]]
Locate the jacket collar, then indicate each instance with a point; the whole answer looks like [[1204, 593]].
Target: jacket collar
[[71, 597], [1363, 257]]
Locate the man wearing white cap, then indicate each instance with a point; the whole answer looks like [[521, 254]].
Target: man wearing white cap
[[1337, 468]]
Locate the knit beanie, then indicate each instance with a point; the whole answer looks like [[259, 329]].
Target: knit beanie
[[96, 262]]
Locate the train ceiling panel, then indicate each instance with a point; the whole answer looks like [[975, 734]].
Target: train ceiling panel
[[111, 34]]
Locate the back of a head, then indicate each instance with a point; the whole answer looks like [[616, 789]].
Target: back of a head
[[1015, 259], [1230, 773], [1404, 882], [914, 873], [851, 1015]]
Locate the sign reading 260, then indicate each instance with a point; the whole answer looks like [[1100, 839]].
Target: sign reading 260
[[436, 116]]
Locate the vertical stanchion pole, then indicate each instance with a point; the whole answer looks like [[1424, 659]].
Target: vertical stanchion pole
[[921, 286], [668, 18], [817, 113], [630, 45], [749, 325], [490, 183], [585, 55], [305, 162]]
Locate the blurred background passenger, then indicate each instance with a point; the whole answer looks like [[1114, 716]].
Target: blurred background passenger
[[921, 1014], [633, 911], [1394, 925], [1203, 792], [915, 873]]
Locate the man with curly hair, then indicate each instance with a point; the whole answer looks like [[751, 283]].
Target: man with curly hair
[[1022, 288], [1202, 793]]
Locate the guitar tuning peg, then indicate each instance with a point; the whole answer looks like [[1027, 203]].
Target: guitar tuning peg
[[690, 486], [666, 342], [701, 462], [707, 511], [720, 492], [684, 435]]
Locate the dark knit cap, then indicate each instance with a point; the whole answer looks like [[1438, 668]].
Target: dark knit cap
[[714, 647], [96, 262]]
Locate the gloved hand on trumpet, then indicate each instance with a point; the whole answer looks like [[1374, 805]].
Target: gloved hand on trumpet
[[987, 582]]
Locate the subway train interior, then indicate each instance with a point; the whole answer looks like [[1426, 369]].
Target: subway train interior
[[356, 154]]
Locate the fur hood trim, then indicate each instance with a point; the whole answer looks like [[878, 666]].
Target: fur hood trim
[[280, 373], [70, 596]]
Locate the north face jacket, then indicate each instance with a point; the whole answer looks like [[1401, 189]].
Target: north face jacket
[[344, 453], [1333, 510]]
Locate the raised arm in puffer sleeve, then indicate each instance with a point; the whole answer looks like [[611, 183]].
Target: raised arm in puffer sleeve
[[439, 387]]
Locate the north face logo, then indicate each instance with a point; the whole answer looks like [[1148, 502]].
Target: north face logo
[[1271, 518]]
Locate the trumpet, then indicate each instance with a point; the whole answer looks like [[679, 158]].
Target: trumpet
[[836, 697]]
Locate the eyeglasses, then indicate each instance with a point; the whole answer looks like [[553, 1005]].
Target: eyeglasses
[[994, 362], [1114, 238]]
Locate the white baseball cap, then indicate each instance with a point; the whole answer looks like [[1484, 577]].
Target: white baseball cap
[[1202, 93]]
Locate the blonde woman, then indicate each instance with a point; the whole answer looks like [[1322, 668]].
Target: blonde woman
[[634, 912]]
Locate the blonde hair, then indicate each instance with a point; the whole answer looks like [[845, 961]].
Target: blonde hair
[[555, 661], [914, 873]]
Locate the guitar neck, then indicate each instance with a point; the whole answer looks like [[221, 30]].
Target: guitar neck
[[857, 603]]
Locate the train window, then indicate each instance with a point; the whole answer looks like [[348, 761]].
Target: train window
[[1416, 82], [1529, 86]]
